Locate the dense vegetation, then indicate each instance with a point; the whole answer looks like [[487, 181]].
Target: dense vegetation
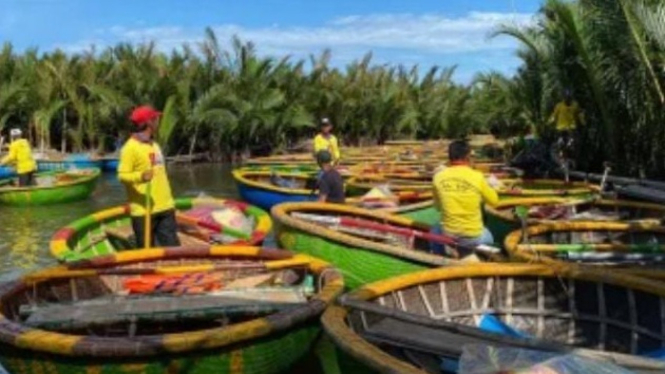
[[611, 53]]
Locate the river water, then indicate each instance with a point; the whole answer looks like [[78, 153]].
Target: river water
[[25, 232]]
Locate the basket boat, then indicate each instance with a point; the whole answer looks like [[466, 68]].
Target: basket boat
[[110, 231], [544, 188], [419, 323], [52, 188], [257, 189], [502, 220], [365, 245], [637, 248], [262, 319]]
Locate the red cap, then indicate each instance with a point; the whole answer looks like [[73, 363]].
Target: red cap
[[144, 114]]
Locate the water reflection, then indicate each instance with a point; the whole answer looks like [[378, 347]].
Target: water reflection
[[25, 232]]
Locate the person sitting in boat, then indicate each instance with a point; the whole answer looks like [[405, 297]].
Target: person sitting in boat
[[459, 192], [330, 183], [142, 168], [326, 141], [20, 155]]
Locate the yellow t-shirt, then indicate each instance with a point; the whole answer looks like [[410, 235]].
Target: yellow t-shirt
[[137, 157], [21, 155], [330, 144], [459, 192], [565, 116]]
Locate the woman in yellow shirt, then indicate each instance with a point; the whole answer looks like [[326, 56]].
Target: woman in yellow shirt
[[326, 141], [20, 155]]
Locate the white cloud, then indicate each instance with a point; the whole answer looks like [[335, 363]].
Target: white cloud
[[349, 37]]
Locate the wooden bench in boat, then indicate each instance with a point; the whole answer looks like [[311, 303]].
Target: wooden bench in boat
[[123, 237], [112, 310]]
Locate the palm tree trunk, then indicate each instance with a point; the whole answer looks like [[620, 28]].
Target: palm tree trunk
[[63, 142], [192, 145]]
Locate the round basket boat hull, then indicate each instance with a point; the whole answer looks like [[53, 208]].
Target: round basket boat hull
[[260, 345], [571, 306], [66, 243], [358, 265], [110, 164], [6, 172], [499, 227], [269, 355], [50, 195], [43, 165], [428, 215], [266, 199]]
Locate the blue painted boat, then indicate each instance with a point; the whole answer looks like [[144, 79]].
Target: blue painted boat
[[47, 165], [110, 164], [256, 188], [7, 172]]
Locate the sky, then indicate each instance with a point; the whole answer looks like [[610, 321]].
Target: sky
[[408, 32]]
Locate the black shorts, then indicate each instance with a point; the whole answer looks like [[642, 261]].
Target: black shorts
[[27, 179], [164, 230]]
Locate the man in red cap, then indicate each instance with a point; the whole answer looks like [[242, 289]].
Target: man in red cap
[[141, 163]]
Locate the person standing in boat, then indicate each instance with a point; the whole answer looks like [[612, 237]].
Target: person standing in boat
[[567, 115], [142, 163], [326, 141], [20, 155], [459, 192], [330, 182]]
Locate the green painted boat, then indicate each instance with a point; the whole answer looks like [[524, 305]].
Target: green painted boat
[[362, 256], [501, 219], [215, 331], [109, 231], [424, 212], [52, 188]]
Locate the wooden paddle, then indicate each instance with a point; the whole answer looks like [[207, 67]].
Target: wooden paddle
[[147, 234]]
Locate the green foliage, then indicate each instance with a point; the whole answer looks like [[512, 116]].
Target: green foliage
[[227, 101], [610, 54]]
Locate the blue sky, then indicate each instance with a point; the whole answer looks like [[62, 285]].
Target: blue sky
[[434, 32]]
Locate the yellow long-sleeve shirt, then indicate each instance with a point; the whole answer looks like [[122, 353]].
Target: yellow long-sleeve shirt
[[327, 143], [566, 116], [20, 154], [136, 157], [459, 192]]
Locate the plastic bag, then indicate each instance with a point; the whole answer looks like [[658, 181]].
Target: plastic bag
[[232, 217], [46, 181], [484, 359], [379, 197]]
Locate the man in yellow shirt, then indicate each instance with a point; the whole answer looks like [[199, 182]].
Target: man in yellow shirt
[[141, 163], [326, 141], [567, 115], [20, 154], [459, 192]]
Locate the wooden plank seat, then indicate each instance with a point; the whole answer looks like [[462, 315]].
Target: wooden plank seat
[[112, 310], [123, 238]]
